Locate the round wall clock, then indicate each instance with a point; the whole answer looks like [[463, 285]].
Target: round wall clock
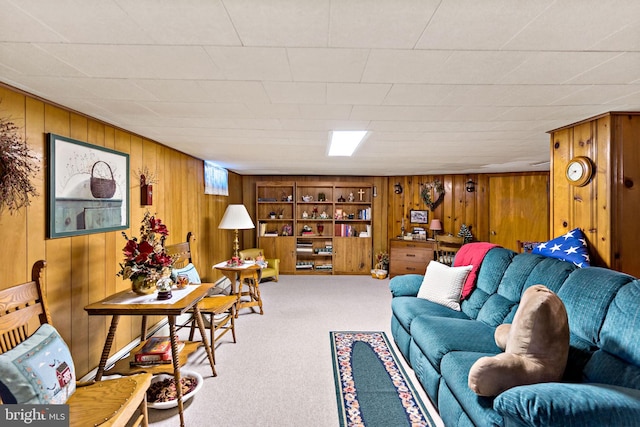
[[579, 171]]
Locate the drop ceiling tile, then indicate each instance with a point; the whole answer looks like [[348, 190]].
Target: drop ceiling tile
[[183, 109], [418, 94], [429, 126], [621, 69], [323, 125], [251, 63], [91, 21], [325, 112], [327, 65], [274, 111], [392, 112], [476, 113], [296, 92], [575, 25], [280, 22], [32, 60], [17, 25], [555, 67], [485, 25], [356, 93], [201, 22], [118, 61], [402, 66], [379, 24], [596, 94], [627, 38]]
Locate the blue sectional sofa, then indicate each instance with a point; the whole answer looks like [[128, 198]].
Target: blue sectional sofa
[[601, 385]]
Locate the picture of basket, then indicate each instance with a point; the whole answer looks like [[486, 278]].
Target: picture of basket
[[102, 188]]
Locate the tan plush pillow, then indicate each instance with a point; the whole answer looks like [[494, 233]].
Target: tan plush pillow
[[536, 346]]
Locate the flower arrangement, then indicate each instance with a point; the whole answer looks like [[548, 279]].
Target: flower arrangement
[[146, 258], [382, 261]]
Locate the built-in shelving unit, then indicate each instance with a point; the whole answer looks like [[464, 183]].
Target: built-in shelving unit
[[316, 227]]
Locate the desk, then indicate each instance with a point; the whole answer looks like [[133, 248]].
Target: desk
[[114, 306], [237, 275]]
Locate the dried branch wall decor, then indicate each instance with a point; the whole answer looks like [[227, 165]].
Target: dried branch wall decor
[[438, 193], [17, 167]]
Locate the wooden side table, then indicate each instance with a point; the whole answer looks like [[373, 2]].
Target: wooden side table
[[116, 305], [238, 276], [410, 256]]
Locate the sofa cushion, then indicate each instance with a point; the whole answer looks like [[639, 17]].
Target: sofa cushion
[[455, 368], [406, 309], [437, 336], [443, 284], [562, 404], [606, 368]]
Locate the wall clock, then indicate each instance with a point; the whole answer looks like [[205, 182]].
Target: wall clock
[[579, 171]]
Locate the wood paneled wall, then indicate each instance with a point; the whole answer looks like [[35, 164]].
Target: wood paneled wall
[[82, 269], [604, 209]]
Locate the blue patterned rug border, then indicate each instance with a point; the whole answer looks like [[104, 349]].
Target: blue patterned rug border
[[346, 392]]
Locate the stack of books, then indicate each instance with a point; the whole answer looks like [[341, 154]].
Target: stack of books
[[155, 351]]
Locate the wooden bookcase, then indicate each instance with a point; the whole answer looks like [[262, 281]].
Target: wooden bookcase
[[316, 227]]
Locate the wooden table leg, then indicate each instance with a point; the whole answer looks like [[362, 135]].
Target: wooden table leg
[[205, 340], [107, 346], [176, 367], [143, 329]]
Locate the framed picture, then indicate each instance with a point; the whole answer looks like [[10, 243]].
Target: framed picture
[[419, 217], [88, 188]]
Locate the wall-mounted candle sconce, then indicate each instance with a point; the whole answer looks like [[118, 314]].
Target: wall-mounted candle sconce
[[147, 179], [470, 186], [375, 191], [397, 188]]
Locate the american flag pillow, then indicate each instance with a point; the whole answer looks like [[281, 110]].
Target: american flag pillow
[[571, 247]]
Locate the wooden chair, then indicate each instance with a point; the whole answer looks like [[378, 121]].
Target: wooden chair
[[526, 246], [446, 248], [115, 402], [218, 311], [273, 264]]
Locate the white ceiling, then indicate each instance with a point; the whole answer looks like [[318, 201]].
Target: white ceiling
[[443, 86]]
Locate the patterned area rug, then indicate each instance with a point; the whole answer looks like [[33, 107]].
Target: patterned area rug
[[372, 388]]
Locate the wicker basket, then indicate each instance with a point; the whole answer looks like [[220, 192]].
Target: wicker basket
[[102, 188], [379, 273]]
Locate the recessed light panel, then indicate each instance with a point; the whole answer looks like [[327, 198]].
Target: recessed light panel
[[345, 142]]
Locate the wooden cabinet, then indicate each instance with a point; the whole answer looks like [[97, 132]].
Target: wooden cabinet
[[352, 255], [316, 227], [605, 208], [410, 256]]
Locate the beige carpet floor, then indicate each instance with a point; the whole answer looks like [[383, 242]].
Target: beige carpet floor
[[279, 373]]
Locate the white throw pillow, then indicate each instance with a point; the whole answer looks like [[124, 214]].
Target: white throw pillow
[[443, 284]]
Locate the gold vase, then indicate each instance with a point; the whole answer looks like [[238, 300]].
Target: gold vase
[[142, 285]]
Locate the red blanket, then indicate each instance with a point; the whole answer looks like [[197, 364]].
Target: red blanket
[[472, 254]]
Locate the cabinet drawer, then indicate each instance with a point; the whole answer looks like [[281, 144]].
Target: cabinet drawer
[[411, 254], [405, 267]]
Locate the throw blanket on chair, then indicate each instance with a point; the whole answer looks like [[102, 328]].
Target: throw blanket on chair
[[472, 254]]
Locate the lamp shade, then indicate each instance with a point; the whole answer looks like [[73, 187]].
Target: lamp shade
[[435, 225], [236, 217]]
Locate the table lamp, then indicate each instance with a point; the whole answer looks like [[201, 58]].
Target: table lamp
[[435, 226], [236, 218]]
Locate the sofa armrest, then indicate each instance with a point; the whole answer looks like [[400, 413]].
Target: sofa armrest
[[569, 405], [406, 285]]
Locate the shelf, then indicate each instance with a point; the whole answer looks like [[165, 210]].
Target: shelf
[[355, 255], [122, 366]]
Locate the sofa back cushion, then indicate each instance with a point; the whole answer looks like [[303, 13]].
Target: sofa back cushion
[[493, 267], [587, 294], [618, 360]]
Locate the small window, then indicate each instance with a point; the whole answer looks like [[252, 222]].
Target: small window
[[216, 179]]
